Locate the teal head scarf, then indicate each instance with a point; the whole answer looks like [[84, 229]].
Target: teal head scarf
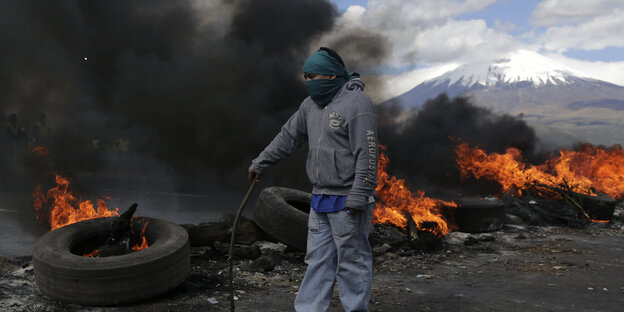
[[322, 91]]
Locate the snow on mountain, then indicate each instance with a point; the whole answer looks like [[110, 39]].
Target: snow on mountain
[[518, 70], [548, 94], [519, 66]]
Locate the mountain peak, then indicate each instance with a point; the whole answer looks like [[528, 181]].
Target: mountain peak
[[521, 66], [515, 72], [564, 105]]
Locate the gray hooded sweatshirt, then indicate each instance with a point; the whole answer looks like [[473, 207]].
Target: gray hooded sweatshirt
[[342, 137]]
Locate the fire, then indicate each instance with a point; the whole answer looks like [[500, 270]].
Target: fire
[[143, 243], [141, 246], [397, 200], [58, 207], [138, 246], [583, 170], [41, 151], [65, 208], [91, 254]]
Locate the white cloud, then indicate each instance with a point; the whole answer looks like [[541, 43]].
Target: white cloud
[[424, 31], [595, 34], [399, 84], [462, 40], [432, 33], [607, 71], [408, 11], [353, 13], [556, 12]]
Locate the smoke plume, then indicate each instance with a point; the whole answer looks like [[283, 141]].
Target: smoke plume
[[190, 88], [421, 146]]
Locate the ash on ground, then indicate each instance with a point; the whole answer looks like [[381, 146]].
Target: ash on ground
[[518, 268]]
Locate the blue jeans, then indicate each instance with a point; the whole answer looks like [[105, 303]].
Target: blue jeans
[[338, 250]]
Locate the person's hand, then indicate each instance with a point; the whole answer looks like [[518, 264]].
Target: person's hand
[[352, 211], [251, 175]]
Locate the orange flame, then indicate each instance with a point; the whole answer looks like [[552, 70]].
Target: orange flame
[[41, 151], [65, 207], [59, 207], [143, 243], [396, 200], [91, 254], [585, 169]]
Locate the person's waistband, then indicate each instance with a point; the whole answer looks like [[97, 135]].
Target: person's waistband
[[331, 190]]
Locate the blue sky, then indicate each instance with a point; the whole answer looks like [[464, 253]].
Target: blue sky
[[585, 35], [519, 13], [344, 4], [507, 11]]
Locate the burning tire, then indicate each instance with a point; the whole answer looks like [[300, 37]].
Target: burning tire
[[61, 272], [474, 215], [283, 214]]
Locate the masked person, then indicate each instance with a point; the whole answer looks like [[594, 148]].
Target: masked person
[[339, 123]]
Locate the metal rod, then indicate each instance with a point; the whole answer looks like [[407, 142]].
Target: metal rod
[[577, 205], [234, 226]]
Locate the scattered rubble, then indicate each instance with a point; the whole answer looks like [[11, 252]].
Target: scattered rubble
[[525, 265]]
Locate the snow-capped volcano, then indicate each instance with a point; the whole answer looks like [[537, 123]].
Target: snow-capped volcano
[[520, 69], [521, 66], [548, 94]]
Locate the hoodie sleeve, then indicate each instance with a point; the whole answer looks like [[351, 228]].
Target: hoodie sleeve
[[292, 135], [363, 143]]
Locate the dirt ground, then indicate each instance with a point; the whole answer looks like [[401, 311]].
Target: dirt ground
[[519, 268]]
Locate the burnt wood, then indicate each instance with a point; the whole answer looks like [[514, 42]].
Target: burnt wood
[[122, 225], [412, 228], [121, 237]]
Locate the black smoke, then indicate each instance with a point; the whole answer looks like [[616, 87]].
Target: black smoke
[[190, 88], [168, 97], [367, 53], [196, 89], [421, 145]]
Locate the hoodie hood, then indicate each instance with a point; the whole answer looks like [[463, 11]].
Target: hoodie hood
[[354, 84]]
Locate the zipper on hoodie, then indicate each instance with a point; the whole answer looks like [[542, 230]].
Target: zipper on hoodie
[[318, 148]]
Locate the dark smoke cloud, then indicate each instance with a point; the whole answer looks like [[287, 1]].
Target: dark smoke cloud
[[421, 146], [194, 86], [367, 52], [198, 88]]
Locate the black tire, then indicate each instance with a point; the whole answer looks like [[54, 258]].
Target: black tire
[[283, 214], [600, 207], [61, 272], [474, 215]]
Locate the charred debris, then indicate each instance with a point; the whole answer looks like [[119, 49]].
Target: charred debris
[[126, 235], [474, 221]]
